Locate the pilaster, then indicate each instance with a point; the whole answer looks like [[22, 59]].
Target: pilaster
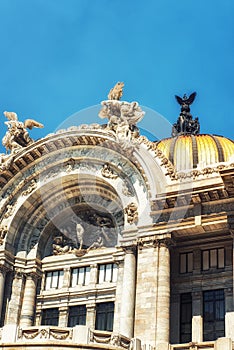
[[3, 272], [63, 316], [90, 316], [128, 292], [119, 261], [13, 311]]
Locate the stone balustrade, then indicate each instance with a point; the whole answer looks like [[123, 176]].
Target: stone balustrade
[[110, 338], [65, 335], [44, 333]]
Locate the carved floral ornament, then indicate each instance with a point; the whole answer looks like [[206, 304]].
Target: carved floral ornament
[[46, 333], [132, 213], [3, 232]]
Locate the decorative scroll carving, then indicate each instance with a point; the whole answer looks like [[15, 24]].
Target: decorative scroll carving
[[148, 242], [32, 186], [132, 213], [114, 339], [127, 190], [108, 172], [46, 333], [9, 212], [17, 136], [166, 242], [5, 161]]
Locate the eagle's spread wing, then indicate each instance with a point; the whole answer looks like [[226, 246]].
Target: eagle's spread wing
[[30, 123], [11, 115], [179, 99], [191, 98], [184, 100]]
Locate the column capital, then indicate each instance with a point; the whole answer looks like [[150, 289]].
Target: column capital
[[33, 275], [130, 249], [147, 242], [166, 242], [4, 269], [94, 266], [91, 307], [197, 295], [18, 273]]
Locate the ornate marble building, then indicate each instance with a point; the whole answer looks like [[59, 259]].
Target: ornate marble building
[[111, 241]]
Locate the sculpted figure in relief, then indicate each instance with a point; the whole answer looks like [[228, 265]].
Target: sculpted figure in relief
[[116, 92], [59, 246], [17, 136], [108, 172], [132, 214]]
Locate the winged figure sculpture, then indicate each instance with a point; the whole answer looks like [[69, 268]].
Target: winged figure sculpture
[[186, 100]]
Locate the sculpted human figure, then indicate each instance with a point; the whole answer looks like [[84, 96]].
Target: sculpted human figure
[[59, 246], [97, 244], [17, 136], [80, 234], [116, 92]]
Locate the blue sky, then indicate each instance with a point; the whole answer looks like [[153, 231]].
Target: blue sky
[[61, 56]]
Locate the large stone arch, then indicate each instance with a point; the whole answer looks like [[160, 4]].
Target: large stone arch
[[69, 166]]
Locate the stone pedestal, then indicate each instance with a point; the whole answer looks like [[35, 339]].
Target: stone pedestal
[[223, 344], [197, 320], [229, 325], [28, 306], [197, 324], [128, 293]]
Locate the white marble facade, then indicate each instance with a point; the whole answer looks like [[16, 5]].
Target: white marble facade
[[94, 215]]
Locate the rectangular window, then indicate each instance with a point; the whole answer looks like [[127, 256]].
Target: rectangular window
[[185, 318], [50, 317], [77, 316], [213, 258], [186, 262], [80, 276], [54, 279], [107, 273], [213, 314], [104, 316]]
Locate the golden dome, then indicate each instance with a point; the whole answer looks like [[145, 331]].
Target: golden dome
[[192, 151]]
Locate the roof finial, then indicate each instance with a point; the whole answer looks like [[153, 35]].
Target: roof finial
[[185, 123]]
